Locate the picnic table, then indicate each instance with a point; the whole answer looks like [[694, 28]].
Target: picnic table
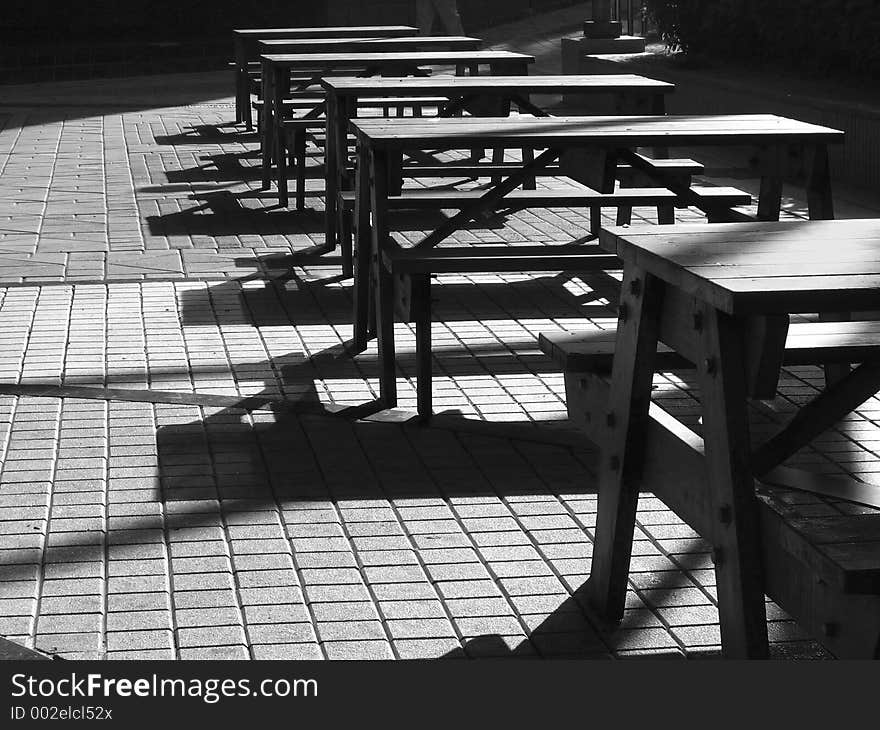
[[589, 148], [276, 70], [480, 95], [721, 296], [245, 46]]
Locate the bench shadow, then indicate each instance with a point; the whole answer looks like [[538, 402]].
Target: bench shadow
[[225, 132]]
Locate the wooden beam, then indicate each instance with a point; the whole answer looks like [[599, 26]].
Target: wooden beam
[[837, 400]]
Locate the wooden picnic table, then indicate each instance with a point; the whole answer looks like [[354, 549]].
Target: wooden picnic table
[[721, 296], [588, 148], [245, 48], [276, 69], [480, 95]]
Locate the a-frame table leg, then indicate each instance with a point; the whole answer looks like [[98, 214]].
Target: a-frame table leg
[[736, 535], [622, 452]]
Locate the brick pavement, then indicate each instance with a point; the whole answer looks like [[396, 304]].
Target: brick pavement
[[180, 476]]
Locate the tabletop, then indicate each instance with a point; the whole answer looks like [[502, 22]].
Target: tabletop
[[761, 267], [322, 31], [416, 57], [367, 43], [446, 84], [625, 131]]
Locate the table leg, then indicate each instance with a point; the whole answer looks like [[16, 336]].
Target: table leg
[[279, 147], [821, 207], [770, 192], [266, 125], [379, 171], [241, 79], [731, 487], [362, 251], [623, 450], [819, 199], [331, 177]]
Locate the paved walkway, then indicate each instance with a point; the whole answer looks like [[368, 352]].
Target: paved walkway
[[184, 473]]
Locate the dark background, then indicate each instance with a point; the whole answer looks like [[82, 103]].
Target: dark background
[[61, 39]]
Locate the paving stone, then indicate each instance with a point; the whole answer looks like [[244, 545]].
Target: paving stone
[[428, 648], [287, 652], [501, 647], [81, 645], [353, 650], [138, 620], [211, 636], [282, 633], [140, 640], [213, 653], [420, 628]]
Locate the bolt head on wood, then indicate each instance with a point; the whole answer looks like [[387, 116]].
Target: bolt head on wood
[[698, 321], [610, 419], [710, 365], [635, 287]]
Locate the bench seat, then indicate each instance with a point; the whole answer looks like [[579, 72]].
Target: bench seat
[[807, 343], [573, 196]]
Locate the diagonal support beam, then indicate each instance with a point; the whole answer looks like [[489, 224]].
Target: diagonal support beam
[[825, 410], [488, 201]]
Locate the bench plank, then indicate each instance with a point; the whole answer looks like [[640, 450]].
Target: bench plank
[[805, 344]]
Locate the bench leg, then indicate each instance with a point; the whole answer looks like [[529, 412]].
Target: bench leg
[[280, 154], [528, 155], [595, 219], [666, 214], [624, 215], [299, 154], [395, 173], [345, 242], [421, 308]]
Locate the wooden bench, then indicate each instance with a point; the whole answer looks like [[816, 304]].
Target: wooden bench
[[573, 196]]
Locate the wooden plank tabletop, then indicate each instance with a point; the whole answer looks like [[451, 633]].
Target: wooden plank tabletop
[[417, 57], [624, 131], [335, 45], [445, 84], [761, 267], [337, 31]]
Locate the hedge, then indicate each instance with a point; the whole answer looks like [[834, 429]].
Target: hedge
[[822, 35]]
